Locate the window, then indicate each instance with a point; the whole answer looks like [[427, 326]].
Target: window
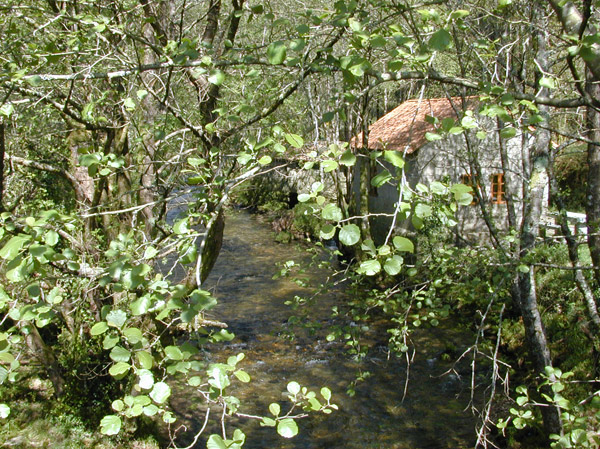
[[498, 193], [468, 180]]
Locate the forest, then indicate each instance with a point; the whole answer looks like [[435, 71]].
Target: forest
[[114, 113]]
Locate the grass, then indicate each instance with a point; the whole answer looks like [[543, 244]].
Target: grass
[[33, 423]]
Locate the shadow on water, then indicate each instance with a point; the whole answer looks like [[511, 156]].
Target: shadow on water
[[252, 303]]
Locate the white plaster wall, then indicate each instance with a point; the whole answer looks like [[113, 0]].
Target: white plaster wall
[[447, 160]]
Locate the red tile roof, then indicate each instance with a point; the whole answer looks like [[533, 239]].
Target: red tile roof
[[405, 126]]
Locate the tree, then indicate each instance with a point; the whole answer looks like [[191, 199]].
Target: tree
[[126, 106]]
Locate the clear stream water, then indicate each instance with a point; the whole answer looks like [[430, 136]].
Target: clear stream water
[[252, 303]]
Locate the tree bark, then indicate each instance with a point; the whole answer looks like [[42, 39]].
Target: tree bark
[[524, 289], [593, 181], [2, 152]]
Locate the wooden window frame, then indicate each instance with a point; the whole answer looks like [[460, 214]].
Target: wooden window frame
[[498, 189], [467, 179]]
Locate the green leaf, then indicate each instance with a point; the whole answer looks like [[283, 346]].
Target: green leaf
[[120, 354], [181, 226], [116, 318], [326, 393], [547, 82], [394, 158], [216, 442], [34, 80], [294, 140], [146, 379], [4, 411], [327, 231], [508, 132], [370, 267], [328, 116], [242, 376], [348, 159], [438, 188], [331, 212], [216, 77], [459, 14], [329, 165], [349, 234], [133, 335], [287, 428], [431, 137], [293, 388], [145, 359], [160, 392], [276, 52], [51, 238], [110, 425], [173, 353], [141, 305], [99, 328], [275, 409], [265, 160], [393, 265], [268, 422], [14, 246], [110, 341], [423, 210], [118, 369], [381, 178], [440, 40], [129, 104]]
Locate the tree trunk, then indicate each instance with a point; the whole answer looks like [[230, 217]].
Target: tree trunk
[[2, 151], [593, 184], [524, 290]]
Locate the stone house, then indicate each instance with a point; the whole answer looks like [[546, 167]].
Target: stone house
[[425, 132]]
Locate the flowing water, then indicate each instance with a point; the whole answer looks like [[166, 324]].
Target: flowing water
[[378, 416]]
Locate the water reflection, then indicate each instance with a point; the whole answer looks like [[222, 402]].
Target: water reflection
[[252, 303]]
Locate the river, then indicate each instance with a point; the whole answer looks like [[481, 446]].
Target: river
[[431, 415]]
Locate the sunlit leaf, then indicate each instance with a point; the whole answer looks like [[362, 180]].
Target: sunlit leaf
[[216, 442], [349, 234], [4, 411], [327, 231], [14, 246], [394, 158], [120, 354], [370, 267], [99, 328], [116, 318], [331, 212], [160, 392], [110, 425], [287, 428], [294, 140], [146, 379], [393, 265], [381, 178], [119, 369], [145, 359], [403, 244], [348, 158], [293, 388], [329, 165], [275, 409], [216, 77]]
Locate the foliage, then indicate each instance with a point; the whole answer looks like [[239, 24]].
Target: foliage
[[133, 105], [579, 418]]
